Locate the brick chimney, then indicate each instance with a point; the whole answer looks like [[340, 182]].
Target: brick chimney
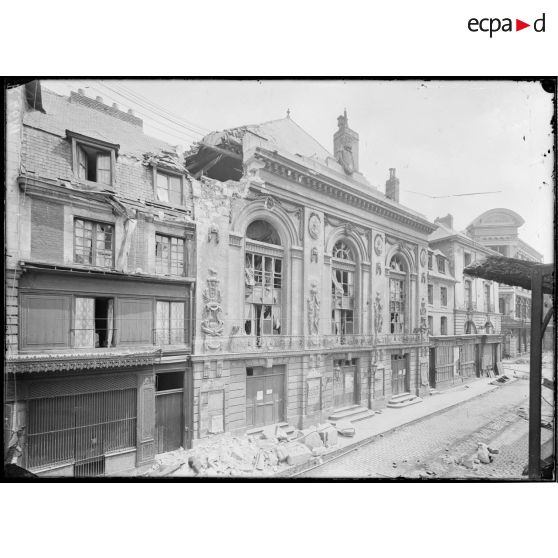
[[80, 98], [392, 186], [446, 221], [345, 145]]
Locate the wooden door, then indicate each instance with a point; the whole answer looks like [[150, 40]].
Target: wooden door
[[264, 396], [168, 420], [398, 374]]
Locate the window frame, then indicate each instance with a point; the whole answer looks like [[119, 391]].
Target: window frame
[[441, 264], [430, 293], [170, 266], [169, 302], [443, 294], [93, 242], [168, 173], [78, 140]]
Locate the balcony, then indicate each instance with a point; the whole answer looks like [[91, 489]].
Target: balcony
[[287, 343]]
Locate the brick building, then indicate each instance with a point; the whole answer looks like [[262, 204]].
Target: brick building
[[100, 276], [466, 340], [310, 282]]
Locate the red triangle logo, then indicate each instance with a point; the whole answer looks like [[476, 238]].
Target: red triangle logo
[[519, 25]]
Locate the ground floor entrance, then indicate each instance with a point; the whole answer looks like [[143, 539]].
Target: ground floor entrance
[[265, 395], [344, 382], [169, 411], [399, 374]]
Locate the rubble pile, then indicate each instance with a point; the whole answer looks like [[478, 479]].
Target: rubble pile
[[265, 454]]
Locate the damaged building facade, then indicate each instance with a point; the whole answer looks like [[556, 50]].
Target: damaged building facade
[[312, 284], [464, 318], [99, 288]]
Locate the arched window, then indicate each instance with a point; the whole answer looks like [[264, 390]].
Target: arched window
[[263, 271], [262, 231], [397, 293], [343, 252], [343, 267], [488, 327]]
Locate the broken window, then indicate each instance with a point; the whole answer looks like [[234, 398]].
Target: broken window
[[169, 188], [94, 165], [263, 283], [397, 305], [93, 243], [94, 322], [169, 255], [342, 289]]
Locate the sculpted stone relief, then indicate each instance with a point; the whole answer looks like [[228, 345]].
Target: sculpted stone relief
[[314, 309], [212, 324]]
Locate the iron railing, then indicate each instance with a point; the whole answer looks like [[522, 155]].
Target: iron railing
[[278, 343]]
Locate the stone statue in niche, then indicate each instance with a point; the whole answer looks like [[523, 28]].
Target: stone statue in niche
[[423, 277], [213, 234], [313, 309], [378, 318], [314, 255], [378, 269], [212, 324]]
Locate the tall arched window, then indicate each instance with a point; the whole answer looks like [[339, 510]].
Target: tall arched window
[[470, 328], [263, 292], [397, 293], [343, 265]]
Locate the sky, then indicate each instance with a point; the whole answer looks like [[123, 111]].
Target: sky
[[443, 137]]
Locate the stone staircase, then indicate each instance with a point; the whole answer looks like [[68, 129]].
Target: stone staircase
[[352, 413], [403, 400]]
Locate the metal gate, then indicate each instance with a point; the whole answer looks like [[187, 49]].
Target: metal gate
[[81, 429], [264, 396], [344, 382], [399, 374]]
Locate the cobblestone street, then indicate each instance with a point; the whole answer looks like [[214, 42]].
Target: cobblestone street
[[432, 447]]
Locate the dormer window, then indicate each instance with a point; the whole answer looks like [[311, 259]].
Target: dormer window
[[93, 160], [441, 264]]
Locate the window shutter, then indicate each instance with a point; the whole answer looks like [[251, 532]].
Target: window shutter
[[45, 321], [135, 320], [82, 163], [103, 168]]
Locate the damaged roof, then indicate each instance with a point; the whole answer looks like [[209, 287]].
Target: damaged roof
[[283, 133], [62, 114]]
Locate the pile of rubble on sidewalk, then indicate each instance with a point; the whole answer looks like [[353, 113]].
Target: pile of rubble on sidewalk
[[273, 450]]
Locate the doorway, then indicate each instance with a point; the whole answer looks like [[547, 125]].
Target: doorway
[[432, 368], [169, 411], [265, 390], [344, 382], [399, 374]]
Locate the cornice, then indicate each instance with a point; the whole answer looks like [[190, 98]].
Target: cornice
[[280, 166], [22, 364]]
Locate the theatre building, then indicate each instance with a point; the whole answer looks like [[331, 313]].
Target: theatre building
[[99, 288], [310, 282]]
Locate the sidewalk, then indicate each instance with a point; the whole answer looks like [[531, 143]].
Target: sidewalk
[[389, 419], [218, 451]]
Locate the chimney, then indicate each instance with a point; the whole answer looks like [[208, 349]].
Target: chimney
[[99, 99], [345, 145], [446, 221], [392, 186]]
